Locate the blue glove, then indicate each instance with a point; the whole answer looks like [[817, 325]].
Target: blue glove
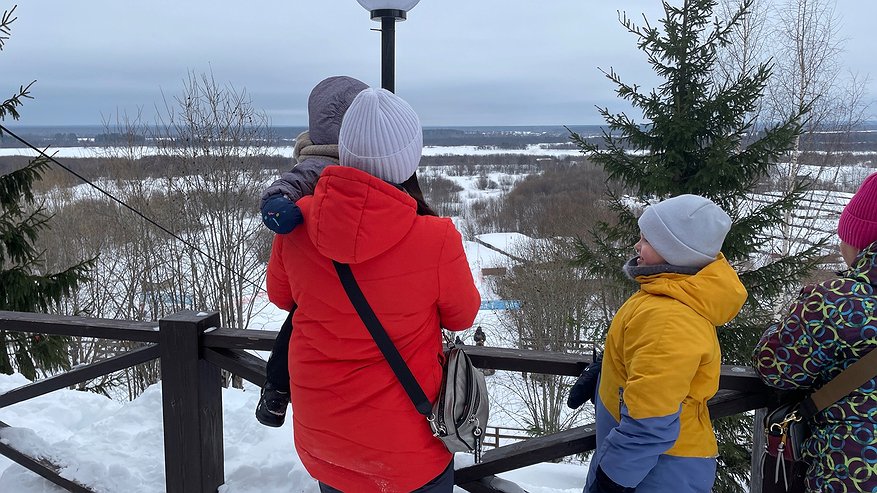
[[605, 484], [281, 215], [586, 386]]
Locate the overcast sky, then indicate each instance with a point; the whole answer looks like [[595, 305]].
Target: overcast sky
[[458, 62]]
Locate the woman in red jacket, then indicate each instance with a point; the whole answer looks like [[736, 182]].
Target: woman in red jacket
[[355, 428]]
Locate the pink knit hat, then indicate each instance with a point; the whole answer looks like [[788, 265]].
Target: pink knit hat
[[858, 222]]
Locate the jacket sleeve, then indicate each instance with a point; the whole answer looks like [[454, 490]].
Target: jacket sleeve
[[664, 358], [789, 355], [277, 282], [297, 182], [459, 300]]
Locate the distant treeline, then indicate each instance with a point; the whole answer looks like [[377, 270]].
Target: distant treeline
[[864, 140], [497, 137], [501, 139]]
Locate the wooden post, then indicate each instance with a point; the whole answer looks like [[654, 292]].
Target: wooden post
[[192, 405], [757, 451]]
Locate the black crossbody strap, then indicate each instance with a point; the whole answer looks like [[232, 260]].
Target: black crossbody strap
[[853, 377], [400, 368]]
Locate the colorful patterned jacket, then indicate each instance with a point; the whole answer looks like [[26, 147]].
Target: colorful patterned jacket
[[830, 326]]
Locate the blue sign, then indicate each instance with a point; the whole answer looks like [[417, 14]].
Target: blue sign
[[500, 305]]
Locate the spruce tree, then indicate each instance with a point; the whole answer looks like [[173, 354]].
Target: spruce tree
[[24, 283], [697, 136]]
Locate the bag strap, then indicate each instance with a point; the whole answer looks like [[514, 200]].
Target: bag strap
[[853, 377], [379, 334]]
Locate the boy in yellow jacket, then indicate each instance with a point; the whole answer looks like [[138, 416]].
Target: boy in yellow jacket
[[662, 358]]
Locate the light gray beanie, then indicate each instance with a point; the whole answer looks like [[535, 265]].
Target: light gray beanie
[[381, 135], [687, 230]]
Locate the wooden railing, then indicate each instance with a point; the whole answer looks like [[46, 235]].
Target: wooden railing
[[193, 351], [495, 435]]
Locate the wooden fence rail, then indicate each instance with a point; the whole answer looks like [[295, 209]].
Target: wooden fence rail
[[193, 351], [493, 435]]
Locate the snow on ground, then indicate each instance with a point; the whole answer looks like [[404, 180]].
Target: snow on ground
[[506, 242], [532, 149], [118, 447], [115, 447], [480, 257]]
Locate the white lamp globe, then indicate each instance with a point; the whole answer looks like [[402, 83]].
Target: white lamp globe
[[403, 5]]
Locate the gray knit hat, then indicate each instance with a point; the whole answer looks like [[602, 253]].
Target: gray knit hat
[[687, 230], [381, 135]]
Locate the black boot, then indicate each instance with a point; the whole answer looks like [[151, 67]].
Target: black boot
[[271, 410]]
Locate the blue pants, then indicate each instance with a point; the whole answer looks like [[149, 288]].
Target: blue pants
[[443, 483]]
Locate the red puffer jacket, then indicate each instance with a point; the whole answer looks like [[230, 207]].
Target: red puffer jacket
[[355, 427]]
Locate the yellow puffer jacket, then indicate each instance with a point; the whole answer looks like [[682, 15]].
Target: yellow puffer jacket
[[660, 367]]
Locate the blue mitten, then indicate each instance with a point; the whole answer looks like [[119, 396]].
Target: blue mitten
[[281, 215]]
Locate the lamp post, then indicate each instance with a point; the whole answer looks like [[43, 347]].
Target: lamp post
[[388, 12]]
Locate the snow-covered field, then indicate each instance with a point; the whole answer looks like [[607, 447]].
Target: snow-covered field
[[113, 446], [286, 151], [117, 446]]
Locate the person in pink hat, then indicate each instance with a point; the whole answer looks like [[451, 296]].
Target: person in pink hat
[[829, 327]]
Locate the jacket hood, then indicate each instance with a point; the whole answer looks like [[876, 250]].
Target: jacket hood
[[355, 217], [714, 292], [327, 104], [864, 267]]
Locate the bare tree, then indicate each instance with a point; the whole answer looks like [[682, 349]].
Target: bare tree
[[801, 39], [808, 74], [748, 46], [212, 137], [204, 248], [554, 314]]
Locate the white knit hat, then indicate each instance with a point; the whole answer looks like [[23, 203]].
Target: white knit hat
[[381, 135], [687, 230]]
